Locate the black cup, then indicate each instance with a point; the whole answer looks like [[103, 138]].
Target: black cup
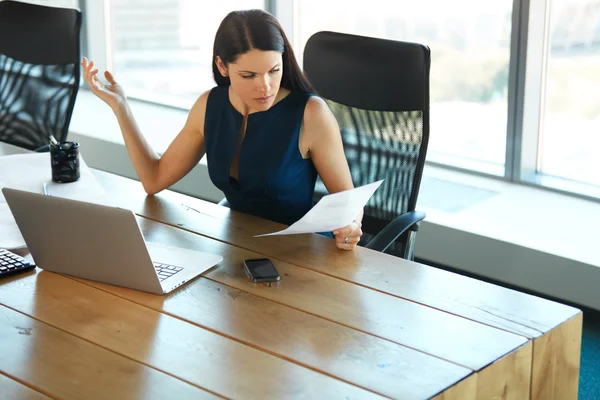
[[64, 159]]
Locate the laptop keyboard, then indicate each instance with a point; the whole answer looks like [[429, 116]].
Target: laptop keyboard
[[11, 263], [165, 271]]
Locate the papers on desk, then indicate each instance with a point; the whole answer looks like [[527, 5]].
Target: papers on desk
[[30, 172], [332, 212]]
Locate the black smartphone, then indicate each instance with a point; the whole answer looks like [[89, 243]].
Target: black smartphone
[[261, 270]]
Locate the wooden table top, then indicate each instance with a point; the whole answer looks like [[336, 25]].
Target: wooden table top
[[502, 308], [339, 324]]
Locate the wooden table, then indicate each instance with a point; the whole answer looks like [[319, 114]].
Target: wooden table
[[338, 325]]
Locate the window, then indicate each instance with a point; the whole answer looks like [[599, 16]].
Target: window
[[162, 49], [534, 83], [470, 46], [570, 129]]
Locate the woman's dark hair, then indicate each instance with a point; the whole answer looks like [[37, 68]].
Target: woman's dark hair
[[242, 31]]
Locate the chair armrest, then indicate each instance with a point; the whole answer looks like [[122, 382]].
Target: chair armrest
[[394, 229]]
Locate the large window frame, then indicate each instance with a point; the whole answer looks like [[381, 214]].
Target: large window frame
[[527, 73]]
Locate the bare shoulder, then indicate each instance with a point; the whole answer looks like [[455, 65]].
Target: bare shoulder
[[197, 113], [318, 116], [200, 104], [318, 120], [316, 108]]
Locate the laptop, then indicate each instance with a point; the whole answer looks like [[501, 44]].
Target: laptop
[[100, 243]]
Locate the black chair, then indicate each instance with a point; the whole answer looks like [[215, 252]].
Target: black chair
[[378, 91], [39, 72]]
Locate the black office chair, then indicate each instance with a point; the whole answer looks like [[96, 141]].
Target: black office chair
[[378, 91], [39, 72]]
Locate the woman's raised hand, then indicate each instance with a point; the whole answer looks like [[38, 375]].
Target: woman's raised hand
[[111, 93]]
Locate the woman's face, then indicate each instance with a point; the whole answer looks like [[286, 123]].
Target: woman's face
[[255, 77]]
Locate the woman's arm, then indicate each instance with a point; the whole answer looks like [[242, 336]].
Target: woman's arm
[[159, 172], [156, 173], [321, 135]]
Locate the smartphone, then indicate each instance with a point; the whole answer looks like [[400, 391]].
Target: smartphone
[[261, 270]]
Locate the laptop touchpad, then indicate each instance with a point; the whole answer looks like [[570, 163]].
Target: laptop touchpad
[[189, 259]]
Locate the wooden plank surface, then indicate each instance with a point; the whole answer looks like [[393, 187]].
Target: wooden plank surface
[[556, 357], [358, 357], [383, 367], [66, 367], [168, 344], [443, 335], [490, 304], [13, 390], [340, 301], [367, 361]]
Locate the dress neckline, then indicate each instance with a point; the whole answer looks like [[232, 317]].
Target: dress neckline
[[258, 112]]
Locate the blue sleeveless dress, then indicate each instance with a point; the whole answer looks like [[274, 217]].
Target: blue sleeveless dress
[[275, 182]]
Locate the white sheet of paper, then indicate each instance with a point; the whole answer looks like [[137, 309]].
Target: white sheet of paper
[[332, 212], [29, 172]]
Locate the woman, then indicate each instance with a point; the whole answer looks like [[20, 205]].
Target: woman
[[265, 135]]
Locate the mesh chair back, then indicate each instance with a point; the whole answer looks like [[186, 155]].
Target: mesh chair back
[[39, 72], [378, 91]]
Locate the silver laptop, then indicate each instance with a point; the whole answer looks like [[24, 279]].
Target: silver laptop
[[100, 243]]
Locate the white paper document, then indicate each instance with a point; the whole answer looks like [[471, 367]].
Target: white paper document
[[30, 172], [332, 212]]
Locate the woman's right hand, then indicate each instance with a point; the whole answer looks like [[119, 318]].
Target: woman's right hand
[[111, 93]]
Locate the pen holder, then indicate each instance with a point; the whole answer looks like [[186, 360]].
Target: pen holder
[[64, 159]]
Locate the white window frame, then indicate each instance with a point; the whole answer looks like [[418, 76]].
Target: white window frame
[[535, 71], [534, 48], [98, 33]]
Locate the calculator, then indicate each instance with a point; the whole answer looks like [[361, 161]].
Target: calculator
[[11, 263]]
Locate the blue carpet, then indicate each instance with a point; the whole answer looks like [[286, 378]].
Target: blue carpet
[[589, 376]]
